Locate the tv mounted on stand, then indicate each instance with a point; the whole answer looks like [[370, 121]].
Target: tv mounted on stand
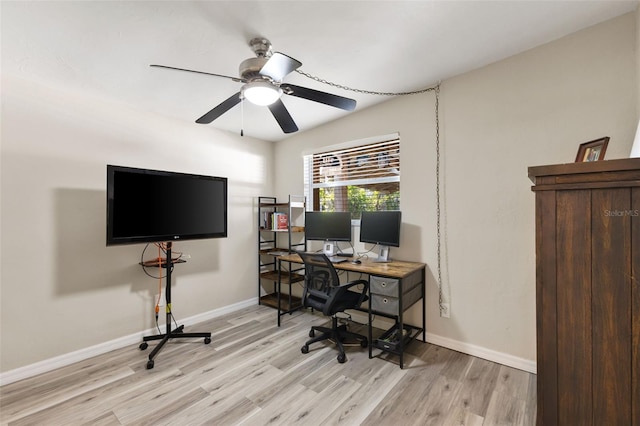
[[149, 206], [381, 228], [145, 206], [329, 227]]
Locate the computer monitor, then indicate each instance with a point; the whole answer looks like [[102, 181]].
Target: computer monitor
[[329, 227], [382, 228]]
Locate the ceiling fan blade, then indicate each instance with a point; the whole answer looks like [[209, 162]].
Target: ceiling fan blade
[[322, 97], [239, 80], [283, 117], [220, 109], [279, 65]]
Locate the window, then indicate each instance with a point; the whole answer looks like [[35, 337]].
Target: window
[[355, 177]]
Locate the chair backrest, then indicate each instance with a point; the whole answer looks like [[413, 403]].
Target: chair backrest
[[320, 275]]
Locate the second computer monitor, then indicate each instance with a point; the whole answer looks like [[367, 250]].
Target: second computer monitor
[[329, 227], [382, 228]]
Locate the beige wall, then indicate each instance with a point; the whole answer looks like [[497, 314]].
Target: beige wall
[[63, 290], [531, 109], [637, 50]]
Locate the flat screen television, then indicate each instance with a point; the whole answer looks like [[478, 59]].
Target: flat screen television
[[329, 227], [146, 206], [382, 228]]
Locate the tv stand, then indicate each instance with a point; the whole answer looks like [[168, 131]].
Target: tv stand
[[178, 331]]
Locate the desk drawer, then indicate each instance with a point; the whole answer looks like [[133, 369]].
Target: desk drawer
[[391, 286], [383, 285], [391, 305]]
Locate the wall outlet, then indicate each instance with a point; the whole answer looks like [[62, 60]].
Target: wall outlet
[[445, 311]]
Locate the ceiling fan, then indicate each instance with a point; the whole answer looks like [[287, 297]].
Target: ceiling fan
[[262, 85]]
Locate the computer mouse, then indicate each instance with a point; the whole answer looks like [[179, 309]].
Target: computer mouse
[[356, 261]]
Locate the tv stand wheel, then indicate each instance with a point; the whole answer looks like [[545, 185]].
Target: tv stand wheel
[[149, 364], [207, 340], [143, 346]]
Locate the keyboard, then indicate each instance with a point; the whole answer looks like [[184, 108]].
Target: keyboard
[[337, 259]]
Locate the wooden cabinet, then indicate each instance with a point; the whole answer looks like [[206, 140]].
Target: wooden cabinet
[[588, 292]]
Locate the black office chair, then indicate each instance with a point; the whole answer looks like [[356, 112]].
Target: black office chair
[[323, 292]]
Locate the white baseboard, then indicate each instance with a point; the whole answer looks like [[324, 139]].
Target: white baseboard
[[466, 348], [484, 353], [102, 348]]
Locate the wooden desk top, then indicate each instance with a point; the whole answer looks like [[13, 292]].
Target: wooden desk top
[[393, 269]]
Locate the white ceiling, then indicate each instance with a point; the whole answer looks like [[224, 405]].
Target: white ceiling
[[104, 49]]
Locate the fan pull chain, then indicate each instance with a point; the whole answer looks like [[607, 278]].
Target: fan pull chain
[[242, 116]]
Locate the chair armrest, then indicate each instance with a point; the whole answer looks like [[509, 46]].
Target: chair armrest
[[356, 282], [350, 284], [337, 292]]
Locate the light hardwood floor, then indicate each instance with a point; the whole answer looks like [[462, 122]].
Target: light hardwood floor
[[253, 373]]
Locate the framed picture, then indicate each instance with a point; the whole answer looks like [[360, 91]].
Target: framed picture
[[593, 150]]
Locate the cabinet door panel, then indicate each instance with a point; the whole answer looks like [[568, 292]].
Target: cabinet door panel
[[635, 298], [546, 307], [611, 305], [573, 230]]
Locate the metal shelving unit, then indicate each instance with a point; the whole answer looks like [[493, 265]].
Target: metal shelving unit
[[274, 242]]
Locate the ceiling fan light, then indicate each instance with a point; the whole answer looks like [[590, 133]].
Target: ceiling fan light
[[261, 92]]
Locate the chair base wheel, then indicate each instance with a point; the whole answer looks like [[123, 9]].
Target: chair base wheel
[[305, 349], [207, 340], [342, 358], [143, 346], [150, 364]]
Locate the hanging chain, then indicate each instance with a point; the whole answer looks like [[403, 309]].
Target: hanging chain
[[366, 92], [437, 90]]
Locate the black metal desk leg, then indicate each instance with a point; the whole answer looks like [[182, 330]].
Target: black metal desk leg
[[279, 288]]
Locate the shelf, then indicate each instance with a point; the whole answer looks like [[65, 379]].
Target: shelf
[[160, 262], [293, 229], [286, 277], [274, 251], [293, 204], [273, 205], [389, 341], [272, 301]]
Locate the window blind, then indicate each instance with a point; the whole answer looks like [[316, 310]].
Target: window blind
[[374, 163]]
